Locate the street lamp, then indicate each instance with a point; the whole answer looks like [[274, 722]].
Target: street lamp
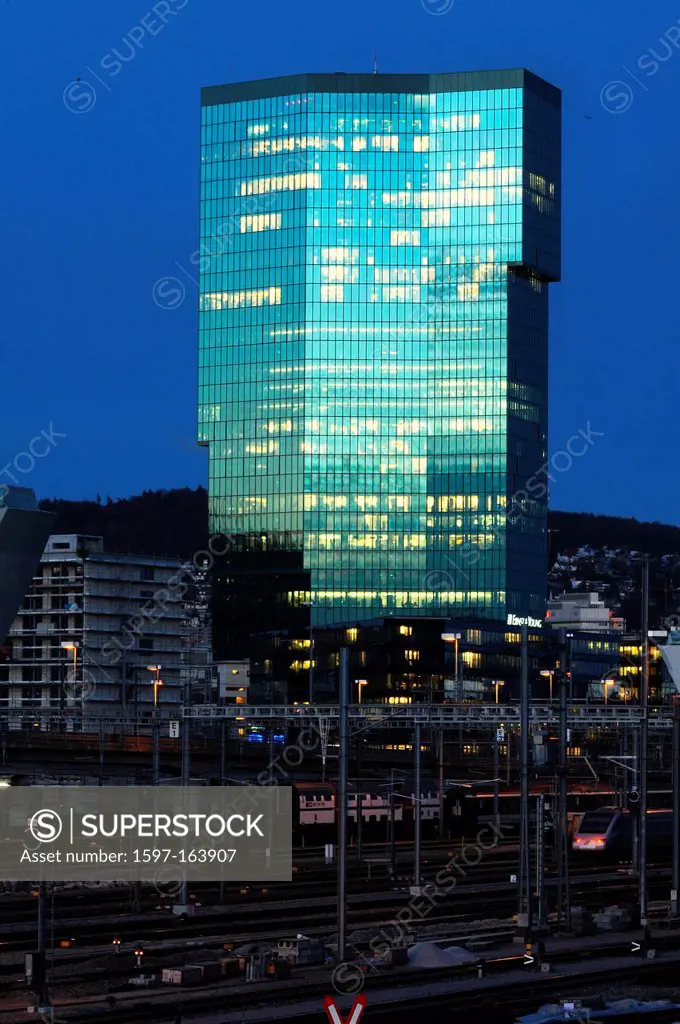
[[72, 645], [155, 725], [498, 683], [550, 672], [605, 683], [157, 683], [453, 638], [360, 685]]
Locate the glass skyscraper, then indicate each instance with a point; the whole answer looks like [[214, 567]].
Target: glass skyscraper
[[375, 258]]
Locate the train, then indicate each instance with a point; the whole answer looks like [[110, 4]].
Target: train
[[383, 808], [465, 808], [608, 833], [389, 808]]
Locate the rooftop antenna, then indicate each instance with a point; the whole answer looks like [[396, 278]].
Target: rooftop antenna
[[375, 63]]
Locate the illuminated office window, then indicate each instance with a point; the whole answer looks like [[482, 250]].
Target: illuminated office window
[[405, 237], [261, 222]]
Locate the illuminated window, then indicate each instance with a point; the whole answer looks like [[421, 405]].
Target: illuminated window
[[401, 293], [260, 222], [232, 300], [406, 630], [421, 143], [388, 143], [396, 198], [300, 666], [352, 635], [468, 292], [399, 237], [282, 182], [339, 255], [339, 273], [412, 655], [332, 293], [472, 659], [436, 218]]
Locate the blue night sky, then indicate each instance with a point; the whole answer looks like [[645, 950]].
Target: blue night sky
[[99, 204]]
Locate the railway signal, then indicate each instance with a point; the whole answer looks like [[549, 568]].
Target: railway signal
[[333, 1014], [116, 944], [139, 953]]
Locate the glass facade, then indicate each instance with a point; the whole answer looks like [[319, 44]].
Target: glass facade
[[374, 268]]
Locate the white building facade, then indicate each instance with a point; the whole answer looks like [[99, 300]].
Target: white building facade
[[90, 629], [582, 611]]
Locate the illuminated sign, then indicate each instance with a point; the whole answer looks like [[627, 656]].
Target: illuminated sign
[[515, 620]]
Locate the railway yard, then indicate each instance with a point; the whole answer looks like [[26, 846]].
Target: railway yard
[[438, 878], [96, 970]]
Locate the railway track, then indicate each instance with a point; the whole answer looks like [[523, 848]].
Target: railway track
[[67, 905], [437, 990], [165, 939], [69, 922]]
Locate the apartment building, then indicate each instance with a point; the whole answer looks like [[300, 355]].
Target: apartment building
[[98, 632]]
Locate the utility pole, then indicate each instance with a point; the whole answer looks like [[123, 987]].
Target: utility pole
[[524, 912], [417, 808], [676, 806], [311, 651], [183, 894], [441, 783], [496, 775], [156, 762], [644, 703], [223, 751], [223, 774], [390, 823], [634, 798], [343, 740], [562, 822], [40, 982], [359, 801], [540, 861]]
